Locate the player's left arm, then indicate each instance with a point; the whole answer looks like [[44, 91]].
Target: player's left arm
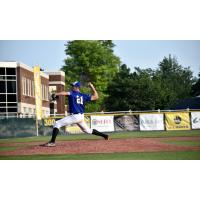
[[95, 95], [62, 93], [55, 96]]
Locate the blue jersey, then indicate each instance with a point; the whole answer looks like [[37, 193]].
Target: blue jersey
[[77, 101]]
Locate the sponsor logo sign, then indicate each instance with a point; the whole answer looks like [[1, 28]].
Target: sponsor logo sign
[[126, 122], [149, 122], [102, 123], [195, 120], [177, 121]]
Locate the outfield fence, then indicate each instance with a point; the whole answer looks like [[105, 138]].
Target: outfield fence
[[120, 121]]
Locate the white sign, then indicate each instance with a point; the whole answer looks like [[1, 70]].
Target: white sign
[[102, 123], [151, 122], [195, 120]]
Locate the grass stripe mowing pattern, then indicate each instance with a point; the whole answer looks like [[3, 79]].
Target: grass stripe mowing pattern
[[181, 155], [135, 134]]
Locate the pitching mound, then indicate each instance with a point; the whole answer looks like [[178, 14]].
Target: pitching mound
[[99, 146]]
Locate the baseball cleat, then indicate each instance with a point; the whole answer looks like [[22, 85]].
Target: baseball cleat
[[49, 144]]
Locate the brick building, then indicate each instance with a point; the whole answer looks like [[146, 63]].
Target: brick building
[[57, 83], [17, 95]]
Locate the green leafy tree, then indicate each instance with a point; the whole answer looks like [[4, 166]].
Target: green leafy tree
[[196, 87], [91, 61], [131, 91], [173, 82], [147, 89]]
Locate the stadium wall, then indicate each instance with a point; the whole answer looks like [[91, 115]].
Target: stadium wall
[[106, 122]]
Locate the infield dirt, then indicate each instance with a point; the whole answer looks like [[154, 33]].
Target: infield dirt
[[100, 146]]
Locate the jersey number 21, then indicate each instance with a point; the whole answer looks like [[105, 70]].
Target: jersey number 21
[[79, 100]]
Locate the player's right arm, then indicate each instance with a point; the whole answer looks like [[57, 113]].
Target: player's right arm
[[95, 95]]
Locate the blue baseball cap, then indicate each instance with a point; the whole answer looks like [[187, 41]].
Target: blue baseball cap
[[76, 84]]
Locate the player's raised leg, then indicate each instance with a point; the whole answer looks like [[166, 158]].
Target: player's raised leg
[[86, 129]]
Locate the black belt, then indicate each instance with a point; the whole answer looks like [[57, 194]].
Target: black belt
[[75, 113]]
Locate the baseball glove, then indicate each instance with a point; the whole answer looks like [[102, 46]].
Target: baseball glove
[[54, 97]]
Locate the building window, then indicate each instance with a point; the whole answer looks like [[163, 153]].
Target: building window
[[2, 98], [28, 88], [2, 110], [11, 77], [23, 88], [29, 91], [11, 98], [12, 109], [24, 85], [12, 104], [2, 71], [2, 87], [47, 93], [33, 92], [11, 86], [10, 71], [25, 110], [8, 91], [44, 92]]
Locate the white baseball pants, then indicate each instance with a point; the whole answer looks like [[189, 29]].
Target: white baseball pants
[[73, 119]]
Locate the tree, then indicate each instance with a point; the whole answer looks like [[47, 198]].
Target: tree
[[91, 61], [196, 87], [173, 82], [131, 91], [147, 89]]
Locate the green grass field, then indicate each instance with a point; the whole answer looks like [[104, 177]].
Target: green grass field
[[135, 134], [181, 155]]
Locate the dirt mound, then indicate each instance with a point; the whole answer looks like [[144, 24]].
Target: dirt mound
[[98, 146]]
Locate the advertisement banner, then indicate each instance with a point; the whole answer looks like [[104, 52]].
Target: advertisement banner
[[177, 121], [102, 123], [151, 122], [38, 92], [195, 120], [126, 122]]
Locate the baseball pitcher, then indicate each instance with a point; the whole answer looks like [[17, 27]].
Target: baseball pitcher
[[76, 102]]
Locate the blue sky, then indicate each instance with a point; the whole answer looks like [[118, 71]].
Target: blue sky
[[49, 54]]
